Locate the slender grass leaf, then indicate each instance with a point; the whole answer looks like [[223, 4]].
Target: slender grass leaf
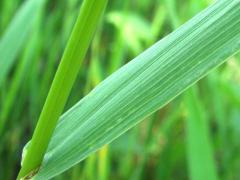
[[144, 85], [200, 153], [16, 34], [20, 72], [172, 13], [66, 74]]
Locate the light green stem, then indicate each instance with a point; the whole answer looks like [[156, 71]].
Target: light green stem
[[66, 74]]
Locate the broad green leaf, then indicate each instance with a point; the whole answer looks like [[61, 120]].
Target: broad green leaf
[[200, 153], [144, 85], [16, 35]]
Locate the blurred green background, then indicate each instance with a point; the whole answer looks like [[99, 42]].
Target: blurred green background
[[193, 137]]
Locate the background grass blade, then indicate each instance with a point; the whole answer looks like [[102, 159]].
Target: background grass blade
[[144, 85], [200, 153], [15, 36], [20, 74], [62, 83]]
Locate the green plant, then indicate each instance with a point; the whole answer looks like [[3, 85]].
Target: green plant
[[198, 138], [194, 136], [14, 38], [144, 85], [62, 84]]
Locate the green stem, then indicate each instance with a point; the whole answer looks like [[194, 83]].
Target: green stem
[[66, 74]]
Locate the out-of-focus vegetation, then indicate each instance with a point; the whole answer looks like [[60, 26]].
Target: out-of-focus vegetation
[[196, 136]]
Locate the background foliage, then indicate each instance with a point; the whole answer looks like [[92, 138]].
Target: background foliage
[[168, 144]]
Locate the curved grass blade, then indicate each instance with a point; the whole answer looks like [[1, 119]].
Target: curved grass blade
[[15, 36], [144, 85], [24, 63]]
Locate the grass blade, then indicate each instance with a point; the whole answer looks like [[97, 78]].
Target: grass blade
[[73, 56], [200, 153], [15, 36], [144, 85], [25, 62]]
